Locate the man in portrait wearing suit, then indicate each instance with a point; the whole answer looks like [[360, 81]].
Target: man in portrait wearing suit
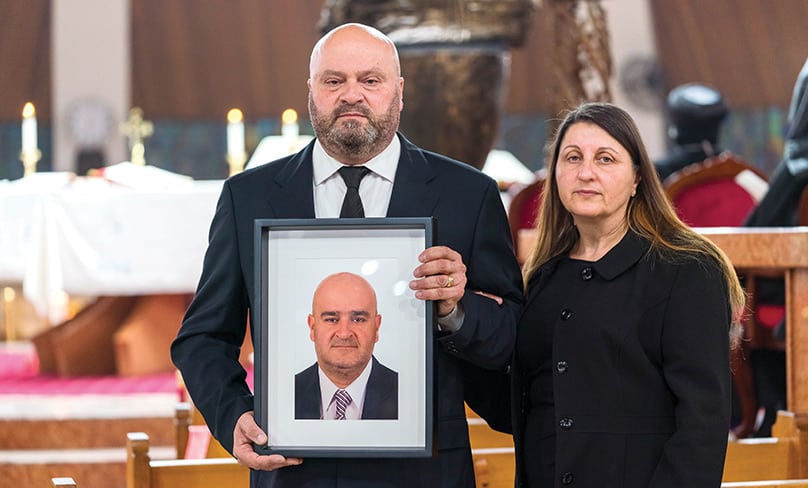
[[359, 166], [347, 382]]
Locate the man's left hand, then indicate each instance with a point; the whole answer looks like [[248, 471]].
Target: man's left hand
[[441, 277]]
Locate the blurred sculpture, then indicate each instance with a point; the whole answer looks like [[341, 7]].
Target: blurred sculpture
[[780, 205], [696, 112], [582, 59], [455, 61]]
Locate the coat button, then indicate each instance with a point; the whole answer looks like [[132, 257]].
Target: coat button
[[561, 366], [565, 423], [566, 314], [567, 478], [586, 273]]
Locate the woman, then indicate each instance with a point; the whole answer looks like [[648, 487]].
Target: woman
[[620, 376]]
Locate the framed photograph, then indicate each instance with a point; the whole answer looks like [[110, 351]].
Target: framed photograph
[[343, 349]]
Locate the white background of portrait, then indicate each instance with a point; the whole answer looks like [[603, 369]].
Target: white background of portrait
[[386, 257]]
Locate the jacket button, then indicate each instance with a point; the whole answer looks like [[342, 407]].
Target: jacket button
[[566, 314], [586, 273], [561, 366], [565, 423], [567, 478]]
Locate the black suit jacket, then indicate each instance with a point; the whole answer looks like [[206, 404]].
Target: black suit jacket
[[381, 393], [470, 219]]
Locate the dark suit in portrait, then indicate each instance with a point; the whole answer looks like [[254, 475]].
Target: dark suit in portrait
[[381, 394]]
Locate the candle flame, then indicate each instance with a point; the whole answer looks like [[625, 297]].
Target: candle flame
[[234, 116], [289, 116], [28, 110], [8, 294]]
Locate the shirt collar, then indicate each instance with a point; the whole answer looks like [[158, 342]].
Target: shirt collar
[[383, 164], [355, 389]]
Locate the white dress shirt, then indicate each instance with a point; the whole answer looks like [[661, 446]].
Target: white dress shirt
[[374, 190], [356, 389]]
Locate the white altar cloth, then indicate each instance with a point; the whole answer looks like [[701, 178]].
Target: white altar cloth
[[87, 236]]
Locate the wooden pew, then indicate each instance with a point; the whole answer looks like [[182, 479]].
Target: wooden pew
[[63, 482], [492, 452], [142, 472], [767, 484], [190, 428], [767, 458]]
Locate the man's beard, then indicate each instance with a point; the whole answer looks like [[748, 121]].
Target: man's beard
[[352, 139]]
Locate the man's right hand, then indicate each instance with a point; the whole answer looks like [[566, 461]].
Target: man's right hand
[[246, 433]]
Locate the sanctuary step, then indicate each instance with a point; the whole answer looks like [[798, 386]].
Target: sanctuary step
[[92, 468], [81, 433], [88, 446], [56, 427]]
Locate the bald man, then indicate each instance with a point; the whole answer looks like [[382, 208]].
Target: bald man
[[471, 274], [346, 382]]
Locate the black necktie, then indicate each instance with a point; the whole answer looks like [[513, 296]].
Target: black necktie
[[352, 205]]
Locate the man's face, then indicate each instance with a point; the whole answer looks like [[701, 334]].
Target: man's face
[[344, 325], [355, 95]]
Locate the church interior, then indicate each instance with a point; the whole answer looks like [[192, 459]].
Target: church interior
[[120, 120]]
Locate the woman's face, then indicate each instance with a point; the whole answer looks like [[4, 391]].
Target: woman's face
[[595, 175]]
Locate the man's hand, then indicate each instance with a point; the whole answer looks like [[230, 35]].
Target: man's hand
[[246, 433], [441, 277]]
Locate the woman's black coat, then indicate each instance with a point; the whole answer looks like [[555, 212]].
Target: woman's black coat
[[643, 397]]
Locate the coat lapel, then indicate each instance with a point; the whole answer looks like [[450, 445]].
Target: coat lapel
[[413, 195], [295, 195], [413, 192]]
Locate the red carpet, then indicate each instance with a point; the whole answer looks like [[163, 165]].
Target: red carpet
[[19, 374], [97, 385]]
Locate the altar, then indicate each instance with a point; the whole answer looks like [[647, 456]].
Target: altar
[[64, 235]]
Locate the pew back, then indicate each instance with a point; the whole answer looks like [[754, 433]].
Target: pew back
[[766, 484], [492, 451], [767, 458], [142, 472]]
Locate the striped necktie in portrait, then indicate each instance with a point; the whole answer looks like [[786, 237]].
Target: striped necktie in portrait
[[342, 400]]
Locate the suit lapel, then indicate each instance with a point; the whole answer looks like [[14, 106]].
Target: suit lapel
[[412, 193], [295, 195]]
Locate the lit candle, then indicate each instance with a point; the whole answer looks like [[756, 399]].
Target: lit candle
[[235, 134], [289, 127], [29, 128]]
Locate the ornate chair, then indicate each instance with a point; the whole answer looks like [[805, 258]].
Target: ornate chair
[[524, 208], [722, 191], [802, 214]]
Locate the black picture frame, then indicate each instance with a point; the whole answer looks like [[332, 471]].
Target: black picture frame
[[292, 257]]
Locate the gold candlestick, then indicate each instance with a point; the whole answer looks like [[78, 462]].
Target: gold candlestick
[[29, 160], [236, 162]]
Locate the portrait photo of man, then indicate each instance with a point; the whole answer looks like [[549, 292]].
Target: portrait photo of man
[[347, 382]]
